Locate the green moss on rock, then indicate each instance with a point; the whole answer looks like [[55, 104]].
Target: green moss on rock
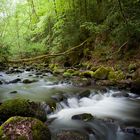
[[101, 73], [116, 75], [87, 73], [67, 74], [21, 107], [132, 67], [24, 128]]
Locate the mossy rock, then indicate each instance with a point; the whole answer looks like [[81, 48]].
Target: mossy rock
[[21, 107], [76, 73], [67, 74], [70, 70], [87, 74], [53, 66], [58, 71], [116, 75], [101, 73], [24, 128], [84, 117], [132, 67]]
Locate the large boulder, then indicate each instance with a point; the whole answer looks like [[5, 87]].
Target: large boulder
[[116, 75], [101, 73], [21, 107], [24, 128]]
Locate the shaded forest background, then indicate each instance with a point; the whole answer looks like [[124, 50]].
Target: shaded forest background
[[29, 28]]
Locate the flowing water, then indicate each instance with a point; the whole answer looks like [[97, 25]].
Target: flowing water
[[112, 115]]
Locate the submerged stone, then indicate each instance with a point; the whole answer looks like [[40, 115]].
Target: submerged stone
[[28, 81], [24, 128]]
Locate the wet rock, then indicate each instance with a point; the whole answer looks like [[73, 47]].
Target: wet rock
[[12, 70], [135, 86], [71, 135], [28, 81], [1, 82], [120, 94], [13, 92], [84, 93], [38, 73], [132, 130], [24, 128], [83, 117], [21, 107], [14, 81]]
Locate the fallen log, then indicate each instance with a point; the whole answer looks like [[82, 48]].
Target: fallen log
[[48, 55]]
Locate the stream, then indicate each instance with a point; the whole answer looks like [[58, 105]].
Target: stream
[[115, 117]]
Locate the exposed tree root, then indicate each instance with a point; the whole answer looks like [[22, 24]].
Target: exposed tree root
[[48, 55]]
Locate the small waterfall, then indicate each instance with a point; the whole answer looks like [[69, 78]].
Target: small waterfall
[[103, 107]]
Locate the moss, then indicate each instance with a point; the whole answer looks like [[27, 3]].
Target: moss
[[101, 73], [87, 73], [94, 68], [116, 75], [67, 74], [70, 71], [58, 71], [132, 67], [24, 127], [21, 107], [76, 73]]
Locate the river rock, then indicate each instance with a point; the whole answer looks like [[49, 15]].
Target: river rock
[[13, 92], [12, 70], [132, 130], [1, 82], [71, 135], [24, 128], [28, 81], [14, 81], [21, 107], [83, 117], [120, 94]]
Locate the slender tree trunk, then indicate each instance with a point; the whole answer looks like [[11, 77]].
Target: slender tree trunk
[[17, 30], [86, 10], [55, 9]]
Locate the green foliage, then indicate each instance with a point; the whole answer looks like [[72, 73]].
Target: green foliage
[[37, 27]]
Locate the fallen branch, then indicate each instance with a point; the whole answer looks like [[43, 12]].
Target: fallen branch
[[121, 47], [48, 55]]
